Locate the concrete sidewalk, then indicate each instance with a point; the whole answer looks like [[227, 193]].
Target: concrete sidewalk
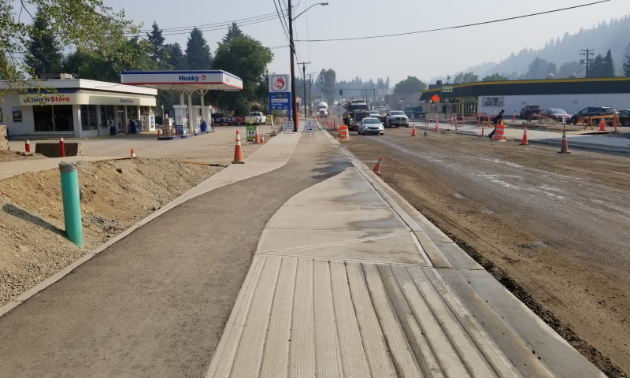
[[592, 142], [349, 281]]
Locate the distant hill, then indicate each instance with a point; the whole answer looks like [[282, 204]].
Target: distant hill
[[613, 35]]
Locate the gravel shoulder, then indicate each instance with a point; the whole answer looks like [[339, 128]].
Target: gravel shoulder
[[552, 228]]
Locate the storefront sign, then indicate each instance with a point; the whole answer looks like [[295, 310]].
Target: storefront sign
[[86, 99], [280, 83], [493, 101], [214, 78], [447, 89], [251, 132]]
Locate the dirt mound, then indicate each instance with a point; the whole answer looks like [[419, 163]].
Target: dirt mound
[[6, 156], [116, 194]]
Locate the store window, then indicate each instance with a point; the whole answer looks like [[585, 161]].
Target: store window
[[107, 115], [132, 113], [88, 117], [53, 118]]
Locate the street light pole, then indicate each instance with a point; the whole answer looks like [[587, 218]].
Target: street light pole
[[304, 77], [292, 54]]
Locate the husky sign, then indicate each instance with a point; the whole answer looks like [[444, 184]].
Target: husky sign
[[280, 93]]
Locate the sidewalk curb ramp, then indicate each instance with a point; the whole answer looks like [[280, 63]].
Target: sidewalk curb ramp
[[269, 157], [382, 293]]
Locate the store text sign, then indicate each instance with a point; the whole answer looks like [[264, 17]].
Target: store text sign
[[46, 99]]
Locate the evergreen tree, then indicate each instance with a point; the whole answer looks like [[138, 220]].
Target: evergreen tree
[[198, 51], [233, 32], [43, 54], [495, 77], [608, 69], [156, 40], [626, 63], [176, 60], [596, 68]]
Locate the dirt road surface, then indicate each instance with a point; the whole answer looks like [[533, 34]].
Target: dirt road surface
[[155, 303], [554, 228]]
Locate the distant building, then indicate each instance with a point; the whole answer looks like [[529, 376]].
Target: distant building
[[572, 95]]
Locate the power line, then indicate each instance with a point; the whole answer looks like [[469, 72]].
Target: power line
[[284, 29], [223, 26], [226, 23], [456, 27]]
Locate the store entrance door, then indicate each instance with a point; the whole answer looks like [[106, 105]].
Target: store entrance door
[[120, 120]]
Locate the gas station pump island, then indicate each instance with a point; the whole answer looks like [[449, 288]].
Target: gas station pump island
[[187, 116]]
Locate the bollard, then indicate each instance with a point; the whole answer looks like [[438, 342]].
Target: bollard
[[158, 134], [27, 146], [514, 117], [62, 148], [71, 197]]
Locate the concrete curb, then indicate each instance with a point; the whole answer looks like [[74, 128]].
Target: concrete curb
[[198, 190]]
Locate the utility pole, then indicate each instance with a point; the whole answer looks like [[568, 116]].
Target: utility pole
[[310, 90], [292, 54], [304, 77], [587, 53]]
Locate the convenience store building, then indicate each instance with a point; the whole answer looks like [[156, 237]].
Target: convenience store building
[[77, 108]]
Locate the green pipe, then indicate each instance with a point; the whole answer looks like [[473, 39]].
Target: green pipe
[[71, 196]]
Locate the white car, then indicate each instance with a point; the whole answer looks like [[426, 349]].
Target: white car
[[396, 118], [256, 118], [374, 113], [371, 125]]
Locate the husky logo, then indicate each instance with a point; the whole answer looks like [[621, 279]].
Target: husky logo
[[279, 83], [203, 77]]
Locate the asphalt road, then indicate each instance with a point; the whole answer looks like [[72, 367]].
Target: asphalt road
[[155, 303], [552, 227]]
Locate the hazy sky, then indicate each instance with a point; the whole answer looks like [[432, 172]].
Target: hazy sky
[[421, 55]]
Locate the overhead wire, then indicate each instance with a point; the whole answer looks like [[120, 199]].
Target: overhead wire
[[457, 26]]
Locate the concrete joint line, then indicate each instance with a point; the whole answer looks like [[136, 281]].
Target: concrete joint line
[[334, 244]]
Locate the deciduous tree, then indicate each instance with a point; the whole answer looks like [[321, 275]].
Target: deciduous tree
[[410, 85], [495, 77]]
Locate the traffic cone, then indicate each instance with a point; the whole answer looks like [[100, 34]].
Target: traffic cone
[[564, 147], [238, 150], [602, 126], [133, 153], [262, 139], [413, 131], [524, 141], [377, 167], [256, 138]]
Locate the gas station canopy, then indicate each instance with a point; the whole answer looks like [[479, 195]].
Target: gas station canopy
[[184, 81]]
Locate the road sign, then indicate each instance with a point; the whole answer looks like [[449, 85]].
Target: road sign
[[280, 101], [251, 132], [435, 98], [447, 89], [310, 126], [287, 126], [382, 92]]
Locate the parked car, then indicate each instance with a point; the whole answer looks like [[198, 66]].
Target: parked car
[[593, 111], [558, 115], [219, 118], [371, 125], [237, 120], [396, 118], [256, 118], [624, 117], [529, 110]]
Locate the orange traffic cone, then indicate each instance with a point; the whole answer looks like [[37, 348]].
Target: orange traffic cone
[[564, 147], [257, 137], [262, 139], [524, 141], [133, 153], [413, 131], [238, 150], [602, 125], [377, 167]]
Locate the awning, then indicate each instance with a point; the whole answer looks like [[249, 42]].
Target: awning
[[190, 80]]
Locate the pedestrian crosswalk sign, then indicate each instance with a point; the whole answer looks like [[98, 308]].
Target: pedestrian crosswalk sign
[[310, 126]]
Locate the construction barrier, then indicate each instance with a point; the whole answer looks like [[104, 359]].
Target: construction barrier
[[499, 134], [524, 141], [564, 147], [344, 133]]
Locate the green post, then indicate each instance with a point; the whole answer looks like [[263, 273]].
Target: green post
[[71, 202]]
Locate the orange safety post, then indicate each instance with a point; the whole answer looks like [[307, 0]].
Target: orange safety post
[[500, 133]]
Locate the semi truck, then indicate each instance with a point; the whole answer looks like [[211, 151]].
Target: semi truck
[[354, 114], [322, 109]]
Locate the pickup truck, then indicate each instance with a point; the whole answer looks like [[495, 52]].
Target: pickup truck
[[256, 118], [395, 118]]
